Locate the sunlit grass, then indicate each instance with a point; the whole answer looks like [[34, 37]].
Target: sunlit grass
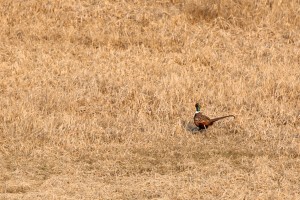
[[97, 99]]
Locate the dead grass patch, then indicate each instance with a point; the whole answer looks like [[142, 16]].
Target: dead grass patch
[[97, 99]]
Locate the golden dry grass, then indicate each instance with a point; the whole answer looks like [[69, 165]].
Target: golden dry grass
[[95, 95]]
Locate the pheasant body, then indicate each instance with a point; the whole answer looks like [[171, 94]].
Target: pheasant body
[[202, 121]]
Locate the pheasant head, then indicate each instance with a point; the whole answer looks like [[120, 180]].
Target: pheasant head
[[197, 108]]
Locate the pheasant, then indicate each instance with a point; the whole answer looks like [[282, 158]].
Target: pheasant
[[202, 121]]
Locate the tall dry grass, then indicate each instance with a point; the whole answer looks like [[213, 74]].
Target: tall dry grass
[[95, 96]]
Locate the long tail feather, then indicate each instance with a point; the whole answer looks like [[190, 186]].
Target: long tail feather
[[218, 118]]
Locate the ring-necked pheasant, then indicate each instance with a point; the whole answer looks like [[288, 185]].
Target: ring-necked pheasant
[[202, 121]]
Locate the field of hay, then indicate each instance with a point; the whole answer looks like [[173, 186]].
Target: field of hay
[[97, 97]]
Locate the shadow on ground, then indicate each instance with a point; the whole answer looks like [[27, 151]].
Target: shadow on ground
[[190, 127]]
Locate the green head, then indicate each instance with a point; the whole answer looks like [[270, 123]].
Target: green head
[[197, 107]]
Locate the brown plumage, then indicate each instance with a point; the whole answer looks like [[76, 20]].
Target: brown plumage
[[202, 121]]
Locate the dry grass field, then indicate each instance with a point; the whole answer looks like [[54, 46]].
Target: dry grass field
[[97, 99]]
